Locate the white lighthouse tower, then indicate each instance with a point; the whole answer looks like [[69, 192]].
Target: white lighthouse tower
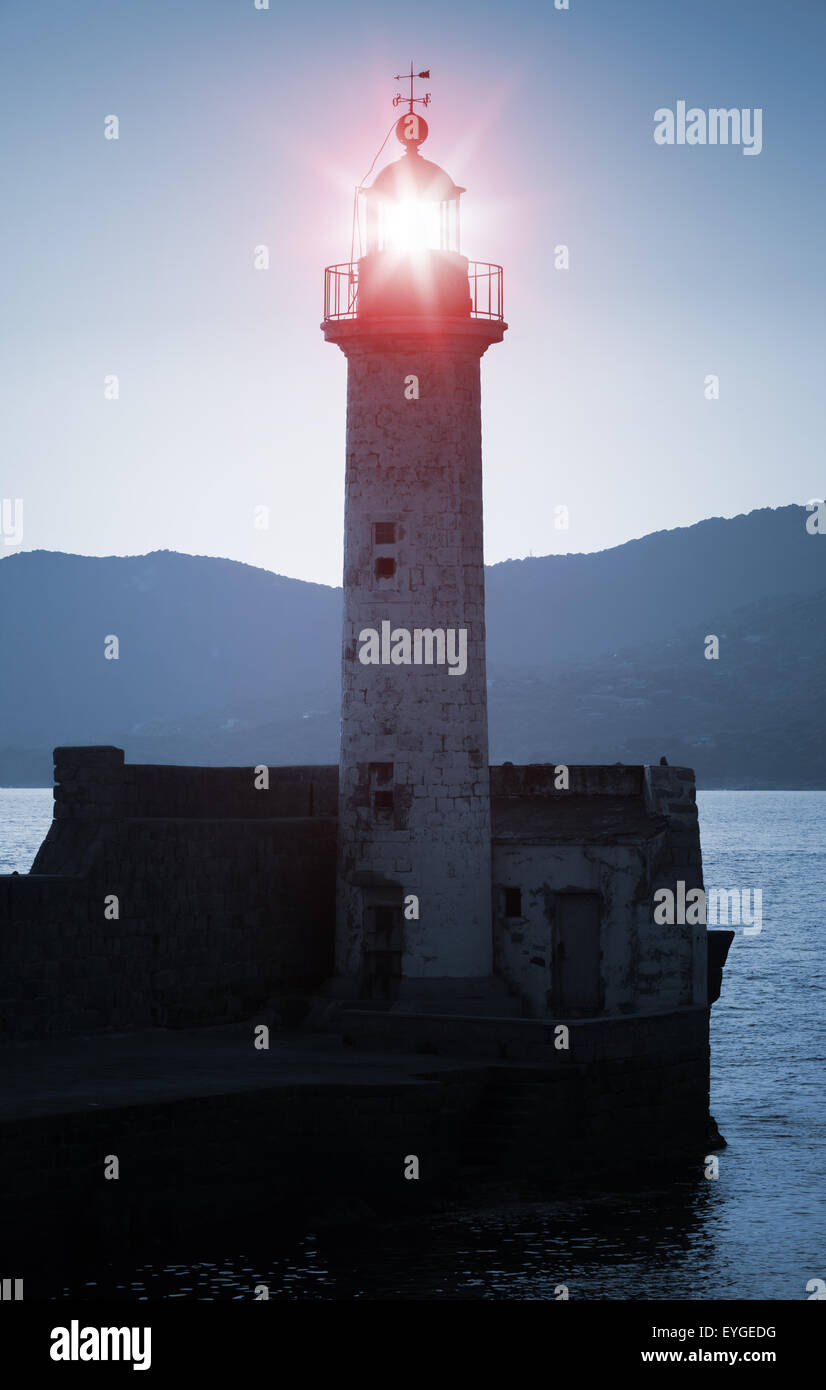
[[413, 317]]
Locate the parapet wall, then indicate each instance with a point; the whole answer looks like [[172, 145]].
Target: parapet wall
[[584, 779], [95, 784]]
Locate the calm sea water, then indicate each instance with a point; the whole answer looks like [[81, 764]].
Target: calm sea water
[[25, 815], [758, 1231]]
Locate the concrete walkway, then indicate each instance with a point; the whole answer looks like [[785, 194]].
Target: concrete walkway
[[66, 1075]]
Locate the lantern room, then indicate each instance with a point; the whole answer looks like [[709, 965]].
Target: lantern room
[[413, 263], [409, 224], [412, 206]]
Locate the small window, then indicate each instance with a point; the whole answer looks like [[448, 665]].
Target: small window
[[513, 902], [383, 802], [385, 567], [381, 772], [385, 532]]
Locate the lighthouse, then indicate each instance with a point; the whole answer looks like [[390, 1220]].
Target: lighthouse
[[413, 318]]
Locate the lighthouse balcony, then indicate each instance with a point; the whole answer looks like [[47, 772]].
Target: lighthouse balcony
[[442, 283]]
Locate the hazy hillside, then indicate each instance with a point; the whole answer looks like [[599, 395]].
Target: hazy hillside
[[195, 634], [591, 657]]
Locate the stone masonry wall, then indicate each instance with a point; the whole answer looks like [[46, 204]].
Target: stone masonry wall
[[671, 792], [214, 915], [415, 464], [628, 1098], [232, 1163], [624, 1093]]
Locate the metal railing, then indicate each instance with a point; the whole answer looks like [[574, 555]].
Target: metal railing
[[485, 282], [341, 285], [341, 288]]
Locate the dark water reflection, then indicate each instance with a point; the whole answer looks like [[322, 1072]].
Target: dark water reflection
[[649, 1244]]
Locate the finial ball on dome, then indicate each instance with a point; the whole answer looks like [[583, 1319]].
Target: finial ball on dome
[[411, 130]]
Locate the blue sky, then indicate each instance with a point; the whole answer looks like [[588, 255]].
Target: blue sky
[[240, 127]]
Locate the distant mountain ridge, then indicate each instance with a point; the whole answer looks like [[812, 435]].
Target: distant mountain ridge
[[644, 590], [590, 657]]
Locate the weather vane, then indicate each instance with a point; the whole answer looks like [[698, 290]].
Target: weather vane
[[411, 77]]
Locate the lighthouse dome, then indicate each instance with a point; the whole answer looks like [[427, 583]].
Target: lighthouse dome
[[413, 177]]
